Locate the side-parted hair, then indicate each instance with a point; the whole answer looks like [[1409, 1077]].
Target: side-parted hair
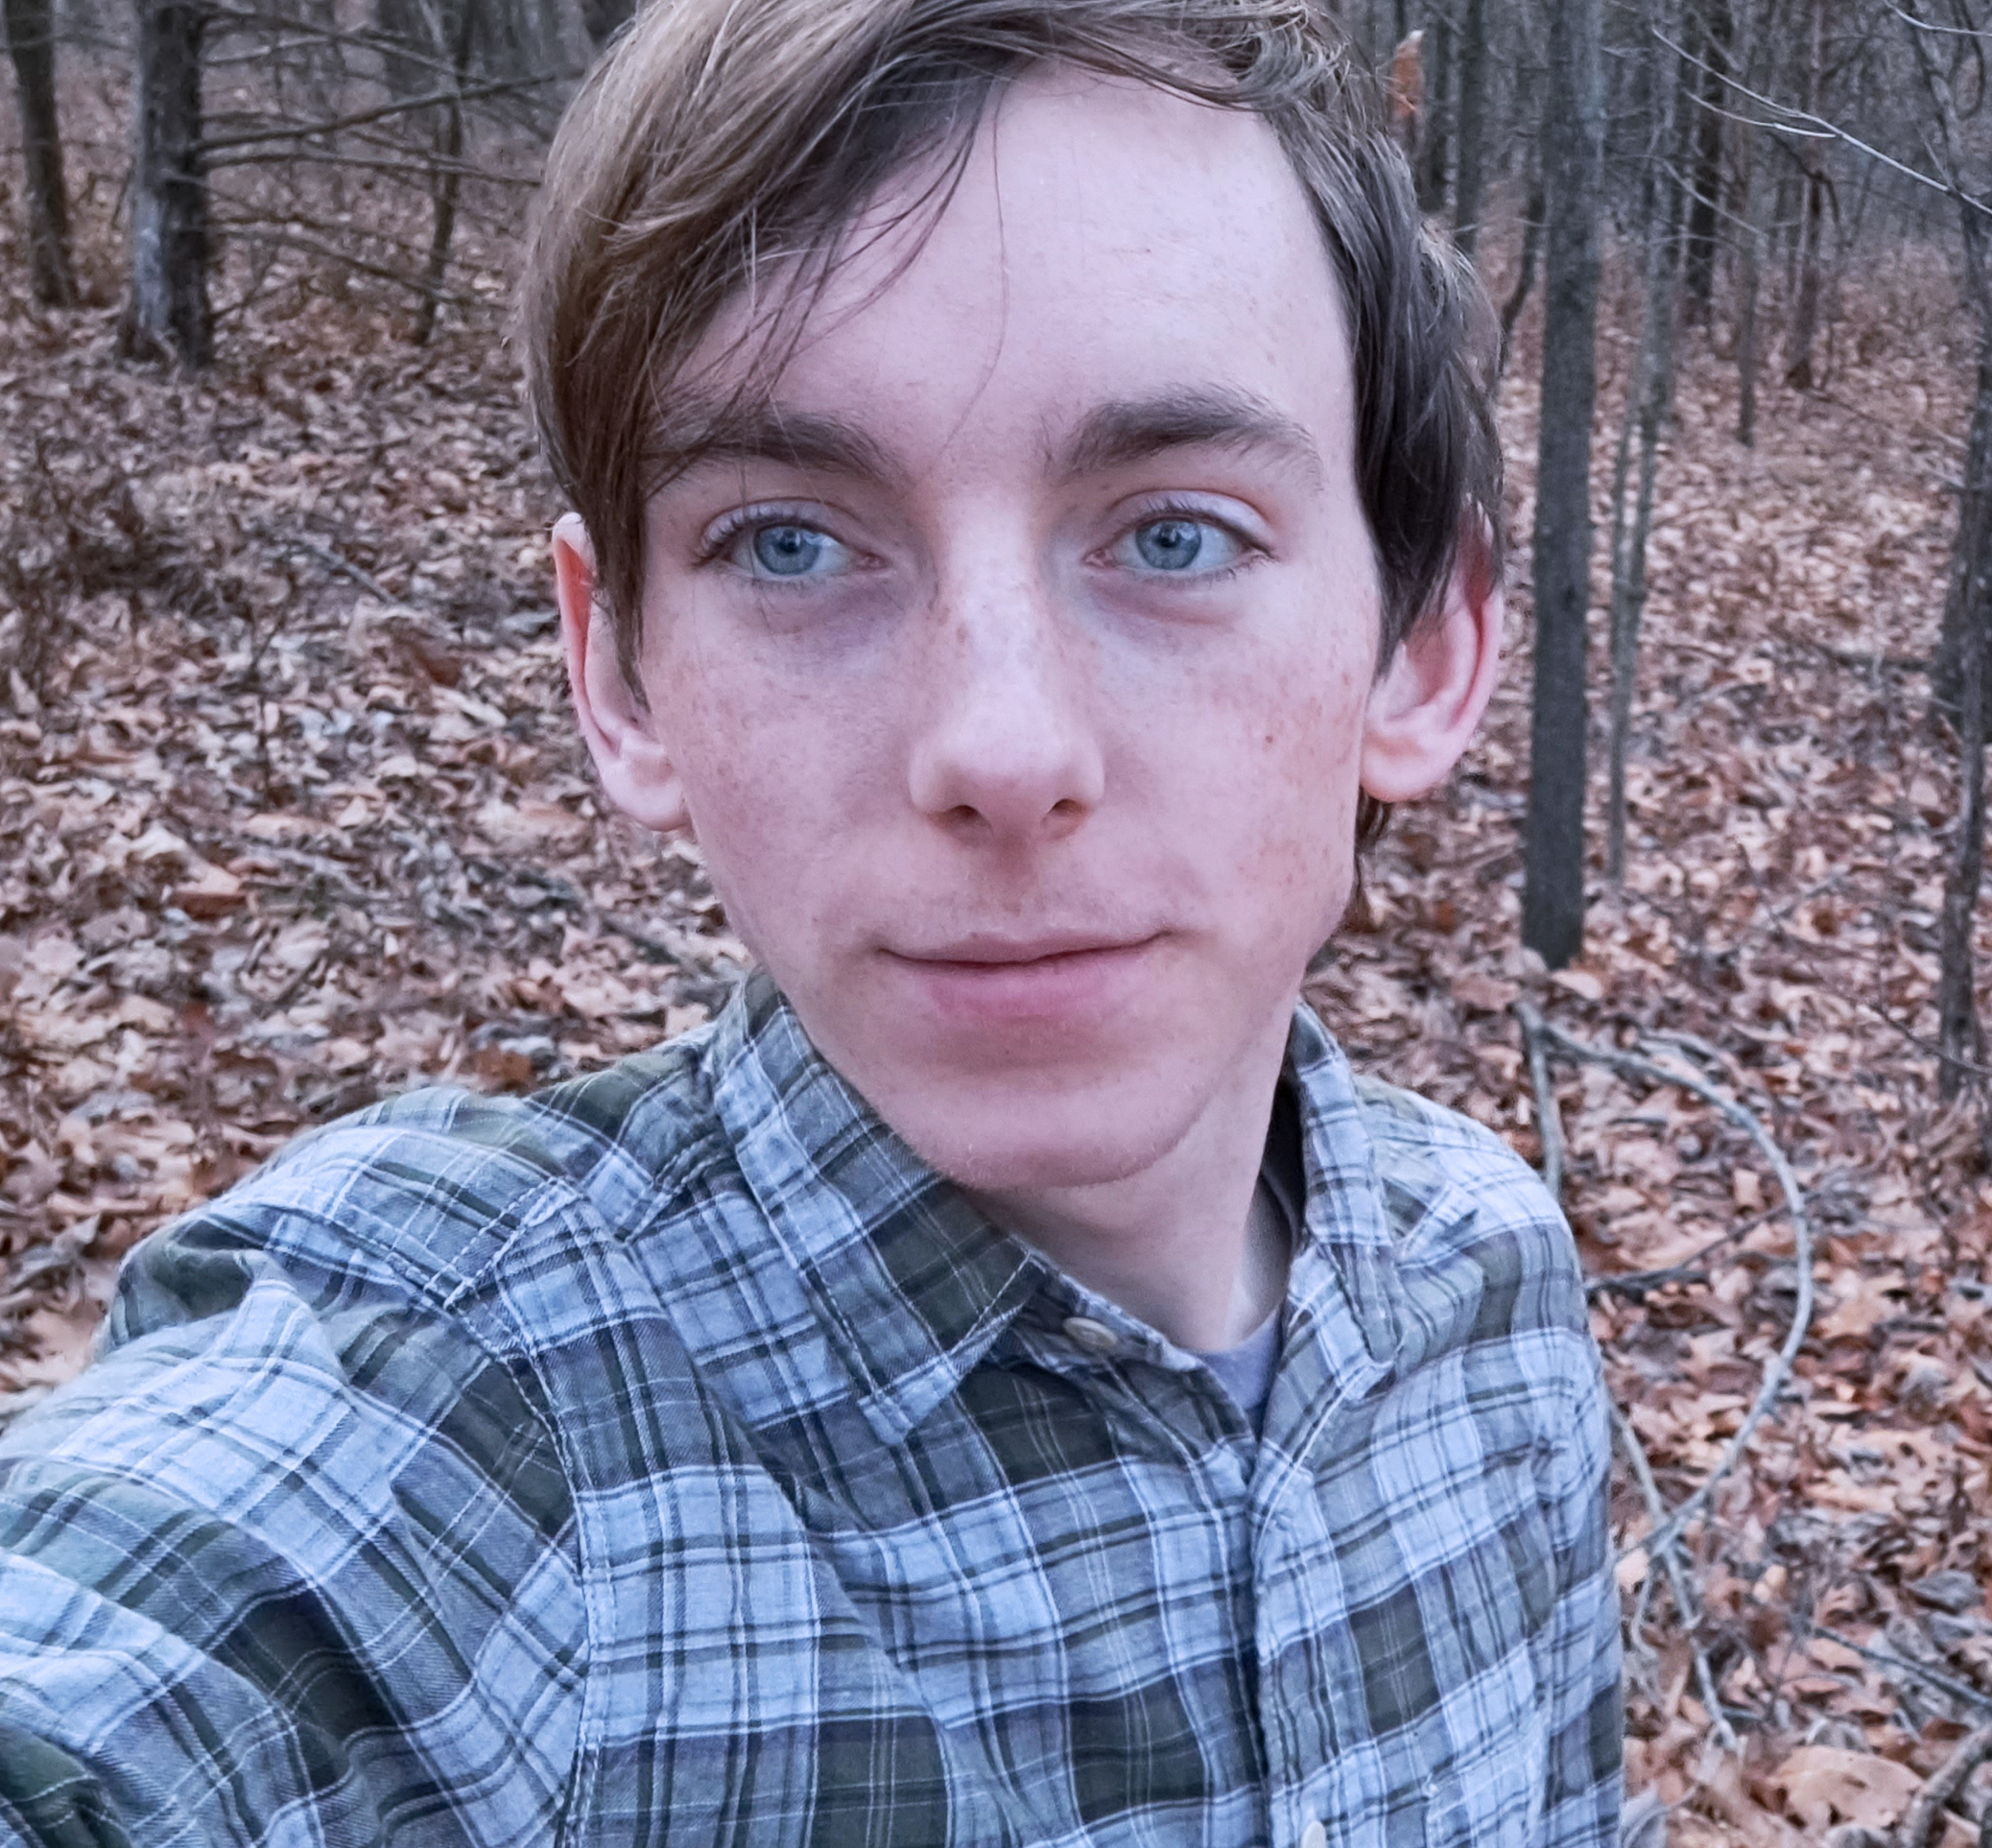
[[723, 148]]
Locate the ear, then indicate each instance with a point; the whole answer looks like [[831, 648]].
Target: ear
[[630, 754], [1428, 702]]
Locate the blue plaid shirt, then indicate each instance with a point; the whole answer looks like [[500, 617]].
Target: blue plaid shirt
[[673, 1458]]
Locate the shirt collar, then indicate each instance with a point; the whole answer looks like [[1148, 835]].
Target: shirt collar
[[913, 1285], [910, 1283]]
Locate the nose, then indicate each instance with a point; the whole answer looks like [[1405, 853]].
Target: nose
[[1006, 751]]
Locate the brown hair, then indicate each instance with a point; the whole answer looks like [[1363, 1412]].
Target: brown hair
[[719, 137]]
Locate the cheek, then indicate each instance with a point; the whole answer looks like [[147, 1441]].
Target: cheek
[[1301, 781], [773, 792]]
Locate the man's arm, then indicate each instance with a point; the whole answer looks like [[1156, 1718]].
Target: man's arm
[[298, 1542], [1578, 1650]]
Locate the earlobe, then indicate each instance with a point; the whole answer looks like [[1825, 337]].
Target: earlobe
[[622, 734], [1429, 700]]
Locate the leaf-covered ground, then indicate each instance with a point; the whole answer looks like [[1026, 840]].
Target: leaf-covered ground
[[291, 816]]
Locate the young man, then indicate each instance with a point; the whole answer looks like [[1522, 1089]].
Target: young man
[[1004, 1381]]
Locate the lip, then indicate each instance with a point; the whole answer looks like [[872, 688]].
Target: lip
[[1059, 979], [986, 950]]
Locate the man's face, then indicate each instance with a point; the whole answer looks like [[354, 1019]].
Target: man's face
[[1013, 673]]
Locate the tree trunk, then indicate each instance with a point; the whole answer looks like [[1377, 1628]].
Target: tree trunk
[[1525, 269], [1800, 371], [1553, 905], [167, 314], [31, 43], [605, 18], [1469, 174], [1717, 31], [1748, 286], [1967, 615], [449, 147], [1435, 141], [1960, 618], [409, 44], [1649, 402]]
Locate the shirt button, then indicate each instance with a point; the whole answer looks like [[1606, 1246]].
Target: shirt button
[[1315, 1834], [1095, 1338]]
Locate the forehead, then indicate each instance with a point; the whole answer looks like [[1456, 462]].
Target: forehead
[[1100, 240]]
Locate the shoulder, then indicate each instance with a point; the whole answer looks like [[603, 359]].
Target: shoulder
[[1485, 1254], [433, 1187], [1428, 1156]]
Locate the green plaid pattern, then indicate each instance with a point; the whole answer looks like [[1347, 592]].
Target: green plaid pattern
[[671, 1457]]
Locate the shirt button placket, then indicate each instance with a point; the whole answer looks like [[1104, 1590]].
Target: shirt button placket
[[1315, 1834]]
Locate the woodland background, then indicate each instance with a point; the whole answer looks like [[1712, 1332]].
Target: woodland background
[[292, 814]]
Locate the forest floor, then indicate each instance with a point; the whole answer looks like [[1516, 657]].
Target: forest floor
[[291, 816]]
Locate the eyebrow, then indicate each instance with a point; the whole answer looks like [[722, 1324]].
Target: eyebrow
[[1131, 430], [1113, 434], [702, 432]]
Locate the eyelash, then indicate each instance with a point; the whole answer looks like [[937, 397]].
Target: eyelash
[[744, 519], [720, 540], [1250, 552]]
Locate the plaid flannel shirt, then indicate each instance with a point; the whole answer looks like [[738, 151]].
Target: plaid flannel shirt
[[671, 1457]]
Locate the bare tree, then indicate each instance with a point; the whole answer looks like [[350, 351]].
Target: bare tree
[[605, 18], [1648, 398], [449, 175], [1469, 175], [1816, 193], [1714, 31], [1749, 274], [1941, 51], [1434, 129], [31, 44], [1573, 142], [167, 312]]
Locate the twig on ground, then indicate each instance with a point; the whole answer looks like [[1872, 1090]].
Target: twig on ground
[[1918, 1827], [1669, 1558], [1779, 1368], [1855, 658], [1928, 1047], [1974, 1697], [333, 561], [1549, 1119], [1637, 1283]]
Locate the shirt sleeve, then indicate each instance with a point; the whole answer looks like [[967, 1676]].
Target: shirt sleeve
[[1580, 1647], [292, 1562]]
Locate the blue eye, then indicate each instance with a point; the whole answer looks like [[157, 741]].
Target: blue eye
[[785, 551], [1170, 545], [1181, 547]]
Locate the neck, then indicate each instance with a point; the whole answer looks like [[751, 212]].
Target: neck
[[1186, 1243]]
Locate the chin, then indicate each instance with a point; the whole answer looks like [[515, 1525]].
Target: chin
[[1000, 1144]]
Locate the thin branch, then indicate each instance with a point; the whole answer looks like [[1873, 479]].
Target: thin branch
[[306, 130], [1637, 1283], [1925, 1816], [254, 233], [1971, 1068], [1670, 1559], [1802, 122], [334, 561], [1974, 1697], [1779, 1369], [423, 169], [1548, 1116], [1929, 25]]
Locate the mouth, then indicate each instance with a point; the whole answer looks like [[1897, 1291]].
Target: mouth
[[1051, 980], [989, 950]]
